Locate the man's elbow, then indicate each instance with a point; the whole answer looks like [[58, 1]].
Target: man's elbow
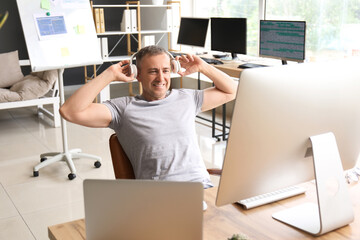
[[231, 96], [65, 114]]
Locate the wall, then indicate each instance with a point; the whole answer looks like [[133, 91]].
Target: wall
[[11, 34]]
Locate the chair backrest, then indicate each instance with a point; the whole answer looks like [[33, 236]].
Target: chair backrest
[[121, 163]]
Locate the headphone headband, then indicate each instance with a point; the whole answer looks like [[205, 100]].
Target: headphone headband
[[133, 56], [175, 65]]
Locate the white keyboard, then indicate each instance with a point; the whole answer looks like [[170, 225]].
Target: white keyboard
[[271, 197]]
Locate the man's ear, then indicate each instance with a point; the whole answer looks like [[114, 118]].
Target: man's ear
[[139, 78]]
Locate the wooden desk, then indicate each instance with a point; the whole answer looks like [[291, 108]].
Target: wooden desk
[[230, 68], [220, 223]]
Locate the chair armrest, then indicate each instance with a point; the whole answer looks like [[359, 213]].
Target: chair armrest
[[214, 171]]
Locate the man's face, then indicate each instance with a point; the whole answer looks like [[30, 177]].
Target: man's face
[[154, 75]]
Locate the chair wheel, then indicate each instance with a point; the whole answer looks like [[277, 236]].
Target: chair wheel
[[97, 164], [36, 173], [71, 176], [43, 159]]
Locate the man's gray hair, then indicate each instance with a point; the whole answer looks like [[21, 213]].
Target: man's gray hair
[[152, 50]]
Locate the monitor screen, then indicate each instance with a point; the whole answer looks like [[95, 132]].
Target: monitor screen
[[193, 31], [276, 110], [284, 40], [228, 35]]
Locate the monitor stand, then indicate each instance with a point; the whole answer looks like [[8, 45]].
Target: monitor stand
[[333, 208], [234, 56]]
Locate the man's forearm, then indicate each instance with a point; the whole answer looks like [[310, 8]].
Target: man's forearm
[[85, 95], [221, 80]]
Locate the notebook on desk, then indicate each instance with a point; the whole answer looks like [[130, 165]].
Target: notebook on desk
[[143, 209]]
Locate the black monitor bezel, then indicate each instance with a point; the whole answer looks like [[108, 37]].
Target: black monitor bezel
[[226, 48], [182, 29]]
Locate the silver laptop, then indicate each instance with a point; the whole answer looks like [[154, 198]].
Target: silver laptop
[[143, 209]]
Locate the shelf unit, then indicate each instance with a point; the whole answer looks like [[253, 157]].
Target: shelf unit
[[104, 95], [172, 3]]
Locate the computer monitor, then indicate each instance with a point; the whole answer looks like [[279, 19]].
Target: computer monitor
[[276, 110], [193, 31], [283, 40], [228, 35]]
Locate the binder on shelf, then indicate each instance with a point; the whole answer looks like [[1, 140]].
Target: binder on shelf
[[173, 40], [102, 20], [133, 21], [169, 20], [175, 17], [147, 40], [104, 47], [99, 43], [126, 21], [97, 19]]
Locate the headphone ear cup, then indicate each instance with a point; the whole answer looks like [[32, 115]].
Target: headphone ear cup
[[175, 66], [133, 70]]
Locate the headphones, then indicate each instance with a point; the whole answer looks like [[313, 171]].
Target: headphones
[[174, 64]]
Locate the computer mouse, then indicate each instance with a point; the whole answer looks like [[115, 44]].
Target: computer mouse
[[204, 206]]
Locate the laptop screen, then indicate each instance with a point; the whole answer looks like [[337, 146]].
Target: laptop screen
[[143, 209]]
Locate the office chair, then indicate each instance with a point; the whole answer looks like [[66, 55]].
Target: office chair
[[121, 163]]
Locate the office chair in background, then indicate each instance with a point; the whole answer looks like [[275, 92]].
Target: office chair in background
[[122, 166]]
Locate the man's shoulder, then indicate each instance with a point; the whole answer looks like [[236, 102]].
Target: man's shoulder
[[126, 99], [120, 101]]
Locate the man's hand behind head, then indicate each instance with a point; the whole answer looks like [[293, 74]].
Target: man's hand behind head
[[191, 64], [121, 71]]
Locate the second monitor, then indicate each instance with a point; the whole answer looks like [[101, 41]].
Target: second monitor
[[193, 31], [229, 35]]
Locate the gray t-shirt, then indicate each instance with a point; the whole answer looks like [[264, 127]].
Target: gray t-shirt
[[159, 137]]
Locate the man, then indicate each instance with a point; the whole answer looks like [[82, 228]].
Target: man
[[157, 128]]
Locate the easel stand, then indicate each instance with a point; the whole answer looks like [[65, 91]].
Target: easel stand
[[333, 209], [67, 155]]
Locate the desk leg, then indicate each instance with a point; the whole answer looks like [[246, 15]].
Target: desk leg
[[199, 83], [213, 118], [213, 121], [224, 123], [67, 154]]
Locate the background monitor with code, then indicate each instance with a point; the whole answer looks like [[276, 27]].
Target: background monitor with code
[[284, 40]]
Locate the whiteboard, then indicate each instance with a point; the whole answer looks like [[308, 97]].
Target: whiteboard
[[59, 33]]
